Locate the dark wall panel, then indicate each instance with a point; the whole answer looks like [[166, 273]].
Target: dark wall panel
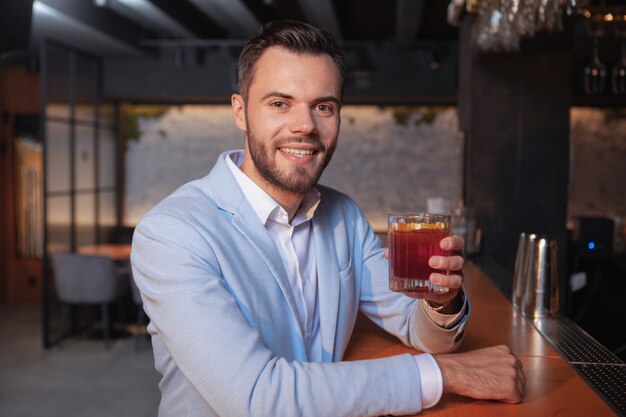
[[514, 110]]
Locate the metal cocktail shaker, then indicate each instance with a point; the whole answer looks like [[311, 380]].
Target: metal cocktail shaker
[[519, 273], [536, 277], [541, 297]]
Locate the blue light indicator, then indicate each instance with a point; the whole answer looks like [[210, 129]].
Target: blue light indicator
[[591, 245]]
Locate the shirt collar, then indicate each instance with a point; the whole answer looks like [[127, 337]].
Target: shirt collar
[[262, 203]]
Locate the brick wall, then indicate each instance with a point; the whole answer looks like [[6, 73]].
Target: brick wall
[[598, 179]]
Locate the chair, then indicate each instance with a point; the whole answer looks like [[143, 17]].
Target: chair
[[141, 314], [85, 279]]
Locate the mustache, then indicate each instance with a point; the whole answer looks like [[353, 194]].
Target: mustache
[[307, 140]]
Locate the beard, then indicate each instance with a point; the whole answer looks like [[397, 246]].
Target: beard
[[299, 181]]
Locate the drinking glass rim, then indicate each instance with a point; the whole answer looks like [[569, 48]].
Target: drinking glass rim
[[420, 215]]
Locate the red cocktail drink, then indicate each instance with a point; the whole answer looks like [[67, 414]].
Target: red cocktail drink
[[413, 239]]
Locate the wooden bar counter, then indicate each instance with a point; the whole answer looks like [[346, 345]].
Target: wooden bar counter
[[553, 387], [115, 251]]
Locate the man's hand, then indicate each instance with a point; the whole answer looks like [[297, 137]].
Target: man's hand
[[453, 281], [492, 373], [453, 263]]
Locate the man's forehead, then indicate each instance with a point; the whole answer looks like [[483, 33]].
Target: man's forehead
[[274, 61]]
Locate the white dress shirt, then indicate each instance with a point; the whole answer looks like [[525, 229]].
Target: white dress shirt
[[296, 247]]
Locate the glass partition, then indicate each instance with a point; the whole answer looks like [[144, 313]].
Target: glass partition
[[59, 224], [80, 163], [107, 154], [58, 155], [85, 163], [57, 87], [86, 87], [85, 219]]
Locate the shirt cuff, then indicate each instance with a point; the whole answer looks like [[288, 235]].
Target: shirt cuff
[[431, 379], [447, 321]]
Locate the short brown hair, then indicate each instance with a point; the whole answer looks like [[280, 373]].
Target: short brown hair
[[291, 35]]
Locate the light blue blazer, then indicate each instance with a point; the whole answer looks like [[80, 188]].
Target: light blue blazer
[[223, 319]]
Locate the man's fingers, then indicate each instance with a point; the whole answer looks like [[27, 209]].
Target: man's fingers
[[446, 263], [514, 381], [452, 243], [448, 281], [521, 386], [521, 378]]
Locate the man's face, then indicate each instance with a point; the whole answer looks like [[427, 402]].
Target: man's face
[[291, 119]]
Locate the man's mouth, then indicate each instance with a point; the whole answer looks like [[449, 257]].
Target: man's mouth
[[300, 153]]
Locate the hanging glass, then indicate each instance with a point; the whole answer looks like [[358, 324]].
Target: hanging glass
[[595, 73], [619, 73]]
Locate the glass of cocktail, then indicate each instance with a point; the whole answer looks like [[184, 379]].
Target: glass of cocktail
[[413, 239]]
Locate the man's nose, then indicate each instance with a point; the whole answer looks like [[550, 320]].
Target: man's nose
[[303, 121]]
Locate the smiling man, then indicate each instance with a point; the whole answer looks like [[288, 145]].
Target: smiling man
[[253, 275]]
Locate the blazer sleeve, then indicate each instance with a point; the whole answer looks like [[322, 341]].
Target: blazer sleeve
[[223, 356], [398, 314]]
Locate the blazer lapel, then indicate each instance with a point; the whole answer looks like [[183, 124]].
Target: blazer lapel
[[258, 237], [229, 197], [327, 281]]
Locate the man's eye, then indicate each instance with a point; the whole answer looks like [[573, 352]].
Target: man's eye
[[325, 108], [278, 104]]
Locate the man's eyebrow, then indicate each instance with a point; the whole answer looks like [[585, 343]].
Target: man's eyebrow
[[328, 98], [276, 94]]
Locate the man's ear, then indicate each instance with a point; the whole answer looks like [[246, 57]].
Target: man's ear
[[239, 111]]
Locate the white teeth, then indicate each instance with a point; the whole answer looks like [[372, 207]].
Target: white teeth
[[297, 152]]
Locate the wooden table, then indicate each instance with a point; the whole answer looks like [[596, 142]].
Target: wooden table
[[115, 251], [553, 387]]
